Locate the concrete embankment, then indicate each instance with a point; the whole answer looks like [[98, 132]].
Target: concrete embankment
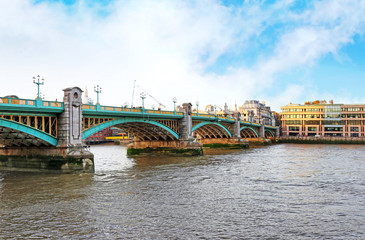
[[322, 140], [260, 141], [228, 143]]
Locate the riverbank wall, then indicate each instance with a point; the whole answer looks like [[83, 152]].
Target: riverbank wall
[[322, 140]]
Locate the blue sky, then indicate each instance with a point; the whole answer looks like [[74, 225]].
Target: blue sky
[[209, 51]]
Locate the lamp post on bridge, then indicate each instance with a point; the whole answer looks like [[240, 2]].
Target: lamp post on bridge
[[40, 96], [143, 96], [197, 108], [97, 89], [215, 110], [174, 100], [38, 82]]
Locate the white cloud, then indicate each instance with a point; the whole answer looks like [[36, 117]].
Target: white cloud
[[165, 45]]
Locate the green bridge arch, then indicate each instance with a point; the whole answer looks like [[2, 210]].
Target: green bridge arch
[[214, 123], [29, 130], [102, 126], [268, 130], [242, 128]]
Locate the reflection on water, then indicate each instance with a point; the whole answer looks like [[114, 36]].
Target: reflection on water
[[280, 192]]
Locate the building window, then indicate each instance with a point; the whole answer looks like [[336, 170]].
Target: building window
[[333, 129], [353, 110], [354, 129]]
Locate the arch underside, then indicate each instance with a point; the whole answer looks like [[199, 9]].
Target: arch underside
[[211, 131], [269, 134], [139, 128], [14, 138], [146, 132], [248, 133]]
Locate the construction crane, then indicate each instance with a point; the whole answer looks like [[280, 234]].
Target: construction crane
[[134, 87], [159, 103]]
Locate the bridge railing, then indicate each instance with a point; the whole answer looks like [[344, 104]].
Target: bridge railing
[[203, 115], [251, 123], [227, 118], [30, 102], [164, 112], [133, 110]]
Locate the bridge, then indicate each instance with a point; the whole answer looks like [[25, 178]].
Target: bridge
[[47, 134]]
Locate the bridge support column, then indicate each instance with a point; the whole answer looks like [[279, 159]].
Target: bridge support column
[[186, 124], [236, 127], [262, 131], [277, 132], [70, 132]]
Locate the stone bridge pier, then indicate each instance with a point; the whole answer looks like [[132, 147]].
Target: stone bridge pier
[[69, 155]]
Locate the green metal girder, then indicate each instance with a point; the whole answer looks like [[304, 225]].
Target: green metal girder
[[250, 124], [108, 114], [211, 123], [29, 108], [257, 135], [216, 119], [28, 114], [270, 127], [87, 133], [29, 130]]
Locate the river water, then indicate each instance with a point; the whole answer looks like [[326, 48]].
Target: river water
[[282, 191]]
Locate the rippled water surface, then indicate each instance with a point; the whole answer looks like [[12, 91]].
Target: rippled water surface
[[277, 192]]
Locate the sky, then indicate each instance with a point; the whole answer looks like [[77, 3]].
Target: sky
[[210, 51]]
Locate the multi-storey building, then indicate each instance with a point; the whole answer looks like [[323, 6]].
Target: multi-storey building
[[99, 137], [254, 111], [321, 119]]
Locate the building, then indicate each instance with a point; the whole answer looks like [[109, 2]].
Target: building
[[86, 99], [209, 109], [254, 111], [277, 119], [321, 119], [100, 137]]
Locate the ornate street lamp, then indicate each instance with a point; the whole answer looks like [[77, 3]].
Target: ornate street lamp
[[174, 100], [38, 82], [97, 89], [215, 110], [197, 108]]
